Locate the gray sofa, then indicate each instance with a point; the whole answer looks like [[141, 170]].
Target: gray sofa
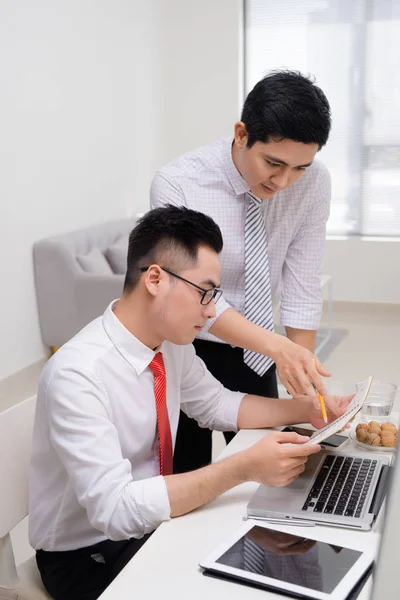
[[77, 275]]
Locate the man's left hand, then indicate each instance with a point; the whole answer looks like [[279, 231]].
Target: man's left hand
[[335, 407]]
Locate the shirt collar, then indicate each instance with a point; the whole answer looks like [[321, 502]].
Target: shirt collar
[[133, 350], [237, 182]]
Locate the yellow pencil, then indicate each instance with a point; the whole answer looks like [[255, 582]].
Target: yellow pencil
[[323, 409], [321, 402]]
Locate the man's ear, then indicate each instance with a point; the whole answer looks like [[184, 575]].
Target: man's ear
[[240, 134], [153, 278]]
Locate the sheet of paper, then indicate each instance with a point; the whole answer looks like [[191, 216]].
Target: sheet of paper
[[355, 405]]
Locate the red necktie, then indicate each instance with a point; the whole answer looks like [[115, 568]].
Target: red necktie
[[163, 426]]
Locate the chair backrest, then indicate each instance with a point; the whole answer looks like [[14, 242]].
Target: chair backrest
[[16, 426], [56, 270]]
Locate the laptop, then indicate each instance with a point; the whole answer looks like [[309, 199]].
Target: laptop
[[344, 489], [314, 562]]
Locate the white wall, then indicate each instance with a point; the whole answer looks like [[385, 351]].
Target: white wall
[[97, 94], [364, 269], [202, 67], [79, 135]]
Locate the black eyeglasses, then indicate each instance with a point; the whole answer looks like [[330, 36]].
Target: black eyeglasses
[[208, 295]]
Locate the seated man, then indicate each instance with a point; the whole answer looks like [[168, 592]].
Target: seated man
[[108, 408]]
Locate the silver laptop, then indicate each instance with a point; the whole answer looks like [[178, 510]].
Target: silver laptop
[[336, 488]]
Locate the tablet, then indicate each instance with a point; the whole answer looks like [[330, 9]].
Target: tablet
[[302, 566]]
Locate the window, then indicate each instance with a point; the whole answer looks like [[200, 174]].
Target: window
[[352, 47]]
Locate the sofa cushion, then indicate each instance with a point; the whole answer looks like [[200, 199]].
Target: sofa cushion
[[94, 262], [117, 254]]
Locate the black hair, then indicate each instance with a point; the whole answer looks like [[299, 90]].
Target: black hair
[[287, 105], [170, 237]]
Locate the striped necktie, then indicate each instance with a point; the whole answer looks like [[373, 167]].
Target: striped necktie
[[163, 425], [253, 557], [258, 301]]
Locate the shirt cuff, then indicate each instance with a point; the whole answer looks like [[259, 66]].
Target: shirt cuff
[[152, 502], [227, 420], [301, 319]]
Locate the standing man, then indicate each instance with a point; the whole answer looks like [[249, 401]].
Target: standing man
[[271, 200]]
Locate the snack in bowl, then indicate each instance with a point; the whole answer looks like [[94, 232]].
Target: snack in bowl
[[389, 427], [374, 434], [373, 439]]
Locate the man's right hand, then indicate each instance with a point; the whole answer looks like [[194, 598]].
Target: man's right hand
[[298, 368], [278, 458]]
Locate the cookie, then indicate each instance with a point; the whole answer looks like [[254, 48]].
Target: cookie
[[373, 439], [361, 435], [374, 427], [389, 441], [389, 427]]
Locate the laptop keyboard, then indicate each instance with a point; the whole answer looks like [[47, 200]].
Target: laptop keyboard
[[341, 486]]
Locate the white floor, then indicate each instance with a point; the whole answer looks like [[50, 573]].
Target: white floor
[[371, 348]]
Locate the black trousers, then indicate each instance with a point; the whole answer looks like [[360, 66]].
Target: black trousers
[[193, 444], [85, 573]]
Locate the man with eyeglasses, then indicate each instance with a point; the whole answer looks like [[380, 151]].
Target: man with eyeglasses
[[207, 295], [271, 199], [108, 408]]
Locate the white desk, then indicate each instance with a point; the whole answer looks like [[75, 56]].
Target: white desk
[[166, 566]]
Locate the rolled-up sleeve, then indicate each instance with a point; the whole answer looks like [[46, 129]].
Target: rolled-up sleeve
[[221, 306], [301, 296], [87, 443], [204, 398]]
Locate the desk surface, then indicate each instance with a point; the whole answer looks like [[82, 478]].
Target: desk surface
[[167, 565]]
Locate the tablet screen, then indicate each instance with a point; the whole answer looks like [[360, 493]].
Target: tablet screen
[[298, 560]]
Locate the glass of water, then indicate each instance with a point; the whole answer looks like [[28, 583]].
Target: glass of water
[[379, 402]]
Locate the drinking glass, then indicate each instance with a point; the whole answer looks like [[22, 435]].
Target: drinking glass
[[379, 402]]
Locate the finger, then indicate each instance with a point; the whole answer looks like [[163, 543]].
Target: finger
[[289, 481], [301, 382], [320, 368], [292, 475], [287, 383], [315, 378], [312, 394], [345, 400], [290, 437], [337, 405], [296, 450]]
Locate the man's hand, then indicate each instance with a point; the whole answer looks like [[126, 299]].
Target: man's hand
[[278, 458], [335, 407], [298, 368]]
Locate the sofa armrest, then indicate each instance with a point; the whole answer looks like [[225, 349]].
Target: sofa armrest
[[93, 293]]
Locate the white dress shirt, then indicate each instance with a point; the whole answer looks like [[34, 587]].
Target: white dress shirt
[[295, 219], [95, 466]]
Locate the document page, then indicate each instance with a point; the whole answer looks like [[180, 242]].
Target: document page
[[355, 405]]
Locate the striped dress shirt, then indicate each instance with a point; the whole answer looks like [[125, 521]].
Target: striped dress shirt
[[295, 219]]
